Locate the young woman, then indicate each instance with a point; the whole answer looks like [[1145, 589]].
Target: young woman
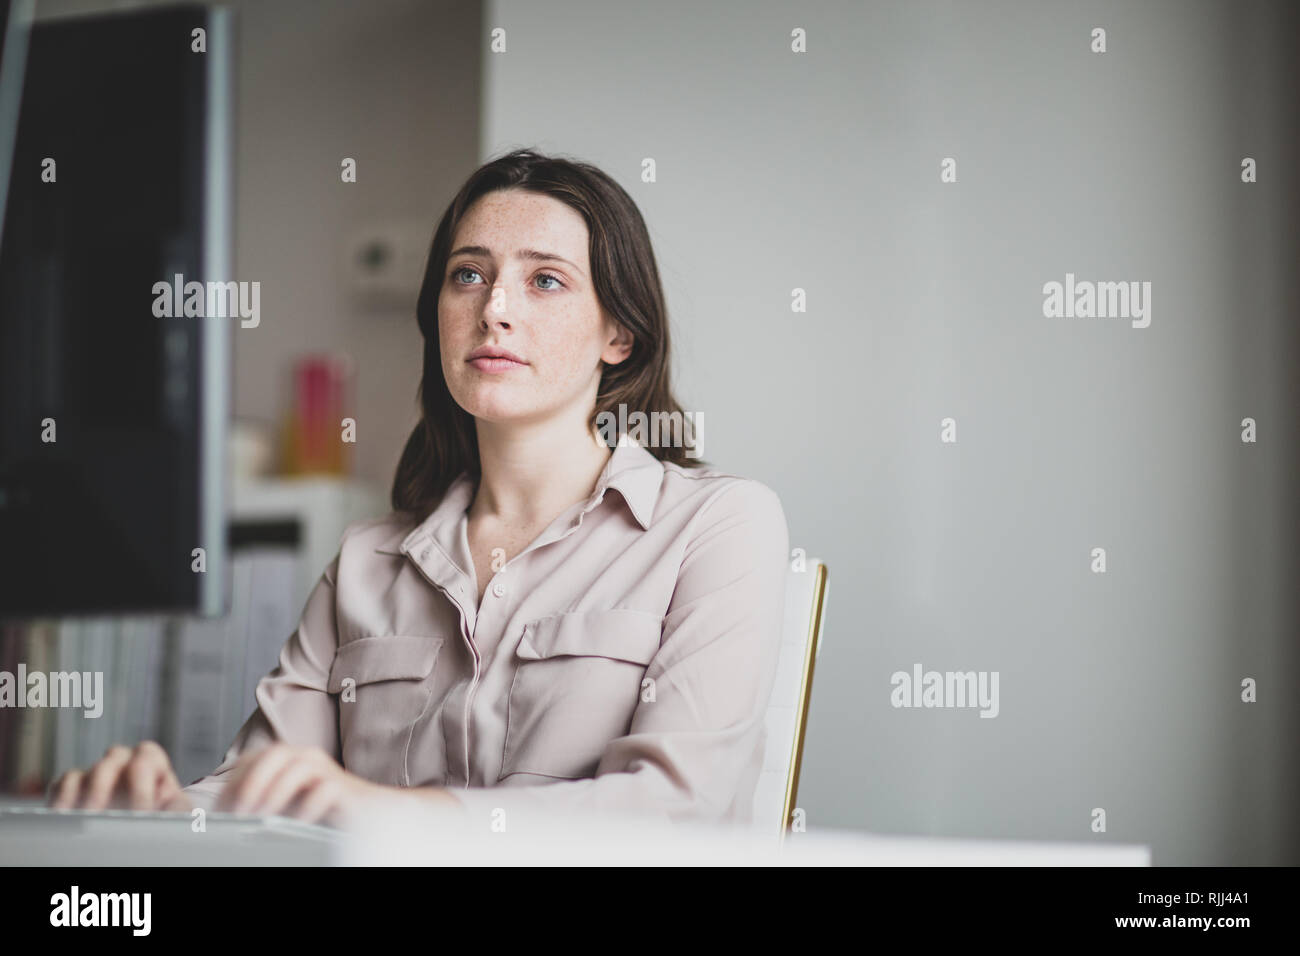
[[552, 615]]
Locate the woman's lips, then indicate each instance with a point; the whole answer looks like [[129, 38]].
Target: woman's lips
[[495, 364]]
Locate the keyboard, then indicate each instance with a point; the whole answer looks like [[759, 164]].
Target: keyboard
[[32, 834]]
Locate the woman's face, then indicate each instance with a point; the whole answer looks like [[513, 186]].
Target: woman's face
[[519, 279]]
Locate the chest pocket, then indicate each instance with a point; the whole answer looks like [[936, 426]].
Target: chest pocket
[[384, 685], [577, 682]]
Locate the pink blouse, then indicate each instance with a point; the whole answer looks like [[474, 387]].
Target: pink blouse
[[622, 661]]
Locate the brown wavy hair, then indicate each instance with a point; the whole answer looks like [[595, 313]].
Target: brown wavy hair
[[444, 442]]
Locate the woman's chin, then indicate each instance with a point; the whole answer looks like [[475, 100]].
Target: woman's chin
[[503, 413]]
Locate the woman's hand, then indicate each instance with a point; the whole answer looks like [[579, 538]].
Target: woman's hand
[[124, 778], [307, 783], [302, 782]]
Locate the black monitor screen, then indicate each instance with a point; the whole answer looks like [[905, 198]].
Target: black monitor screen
[[102, 467], [15, 22]]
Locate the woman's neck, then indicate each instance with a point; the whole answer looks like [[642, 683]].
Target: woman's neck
[[528, 476]]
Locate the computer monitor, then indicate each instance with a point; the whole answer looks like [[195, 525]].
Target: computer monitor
[[113, 419], [15, 21]]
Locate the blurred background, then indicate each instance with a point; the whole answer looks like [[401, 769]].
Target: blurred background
[[821, 171]]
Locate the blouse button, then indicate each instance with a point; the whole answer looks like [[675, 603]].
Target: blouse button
[[499, 589]]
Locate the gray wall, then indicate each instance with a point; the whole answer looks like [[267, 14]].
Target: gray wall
[[821, 171], [394, 84]]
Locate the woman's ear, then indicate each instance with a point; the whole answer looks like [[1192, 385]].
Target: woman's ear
[[618, 343]]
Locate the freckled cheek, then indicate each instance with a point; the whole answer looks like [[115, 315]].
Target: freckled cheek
[[562, 364], [454, 328], [451, 345]]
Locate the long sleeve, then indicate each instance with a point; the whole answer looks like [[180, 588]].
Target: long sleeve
[[293, 703], [695, 751]]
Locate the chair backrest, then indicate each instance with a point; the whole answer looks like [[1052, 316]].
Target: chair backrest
[[787, 711]]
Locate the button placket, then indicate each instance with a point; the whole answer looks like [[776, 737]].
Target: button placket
[[497, 589], [454, 589]]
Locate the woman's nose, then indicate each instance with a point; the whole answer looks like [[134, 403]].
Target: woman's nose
[[497, 310]]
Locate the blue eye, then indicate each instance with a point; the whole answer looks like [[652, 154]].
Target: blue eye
[[456, 273]]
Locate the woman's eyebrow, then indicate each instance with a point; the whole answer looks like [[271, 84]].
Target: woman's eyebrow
[[523, 254]]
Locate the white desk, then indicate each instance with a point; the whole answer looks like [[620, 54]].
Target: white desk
[[400, 835]]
